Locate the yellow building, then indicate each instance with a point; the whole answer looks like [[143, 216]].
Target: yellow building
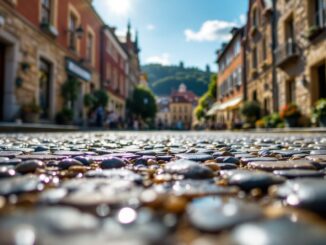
[[181, 107]]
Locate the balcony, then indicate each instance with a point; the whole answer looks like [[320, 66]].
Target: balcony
[[318, 26], [287, 53]]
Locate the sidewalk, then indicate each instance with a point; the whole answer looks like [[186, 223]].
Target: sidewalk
[[286, 130], [29, 127]]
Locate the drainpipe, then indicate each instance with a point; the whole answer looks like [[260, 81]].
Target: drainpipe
[[244, 68], [274, 46]]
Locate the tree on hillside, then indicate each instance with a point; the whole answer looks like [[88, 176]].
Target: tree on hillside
[[208, 99], [164, 79], [143, 103]]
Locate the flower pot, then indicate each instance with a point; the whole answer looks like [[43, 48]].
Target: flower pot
[[322, 121], [291, 122], [31, 117]]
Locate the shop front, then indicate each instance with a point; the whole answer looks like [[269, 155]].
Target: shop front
[[83, 77]]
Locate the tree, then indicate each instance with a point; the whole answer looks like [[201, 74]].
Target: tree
[[69, 91], [96, 99], [208, 99], [143, 103]]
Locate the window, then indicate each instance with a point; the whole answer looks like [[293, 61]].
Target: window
[[264, 48], [254, 58], [115, 79], [255, 17], [72, 32], [254, 95], [320, 13], [46, 11], [290, 32], [291, 91], [89, 51], [44, 88], [266, 106], [108, 71]]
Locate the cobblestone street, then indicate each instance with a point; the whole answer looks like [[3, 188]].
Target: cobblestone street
[[162, 188]]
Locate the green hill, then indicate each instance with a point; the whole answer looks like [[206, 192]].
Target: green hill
[[165, 79]]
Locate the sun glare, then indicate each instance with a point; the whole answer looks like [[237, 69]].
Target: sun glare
[[120, 7]]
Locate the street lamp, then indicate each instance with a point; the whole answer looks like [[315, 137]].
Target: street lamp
[[79, 32]]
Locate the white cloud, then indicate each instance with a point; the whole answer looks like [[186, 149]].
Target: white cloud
[[117, 7], [242, 19], [150, 27], [163, 59], [211, 30]]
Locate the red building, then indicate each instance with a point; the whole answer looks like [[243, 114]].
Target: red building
[[230, 85], [114, 71], [45, 43]]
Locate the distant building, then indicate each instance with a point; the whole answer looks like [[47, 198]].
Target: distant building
[[163, 115], [181, 107], [143, 80], [230, 85], [132, 49]]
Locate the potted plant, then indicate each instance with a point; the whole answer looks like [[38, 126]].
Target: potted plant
[[31, 112], [319, 113], [65, 116], [291, 115], [313, 32], [250, 111], [273, 120]]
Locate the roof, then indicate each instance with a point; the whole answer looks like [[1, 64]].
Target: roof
[[236, 32], [183, 97]]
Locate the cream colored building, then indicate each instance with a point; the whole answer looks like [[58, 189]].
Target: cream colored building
[[181, 107]]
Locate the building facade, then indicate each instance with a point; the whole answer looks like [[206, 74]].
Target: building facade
[[260, 85], [181, 107], [132, 48], [163, 117], [301, 52], [47, 44], [230, 80], [43, 44], [114, 72]]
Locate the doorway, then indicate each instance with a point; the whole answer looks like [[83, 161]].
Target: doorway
[[2, 77], [321, 73], [44, 88]]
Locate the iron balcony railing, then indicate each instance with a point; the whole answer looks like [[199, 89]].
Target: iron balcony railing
[[286, 52]]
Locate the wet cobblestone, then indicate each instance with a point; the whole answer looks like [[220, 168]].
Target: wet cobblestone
[[162, 188]]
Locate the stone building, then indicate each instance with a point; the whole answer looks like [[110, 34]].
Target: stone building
[[114, 71], [43, 43], [230, 80], [181, 107], [259, 57], [301, 52]]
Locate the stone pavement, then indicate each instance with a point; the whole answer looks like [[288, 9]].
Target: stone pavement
[[162, 188]]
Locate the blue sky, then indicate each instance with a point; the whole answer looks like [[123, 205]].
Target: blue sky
[[171, 31]]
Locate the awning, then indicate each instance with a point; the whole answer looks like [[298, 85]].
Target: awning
[[214, 109], [231, 104]]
